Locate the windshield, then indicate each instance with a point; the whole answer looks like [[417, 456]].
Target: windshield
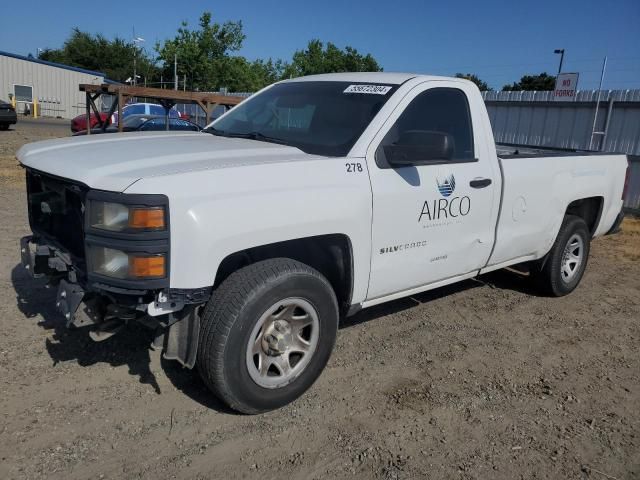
[[323, 118]]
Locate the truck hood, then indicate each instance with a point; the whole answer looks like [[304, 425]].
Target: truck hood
[[114, 161]]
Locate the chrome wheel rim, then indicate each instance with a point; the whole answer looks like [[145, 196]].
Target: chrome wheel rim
[[572, 258], [282, 342]]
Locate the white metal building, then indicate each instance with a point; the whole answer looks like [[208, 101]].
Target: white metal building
[[54, 86]]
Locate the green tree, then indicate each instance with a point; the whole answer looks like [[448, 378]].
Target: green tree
[[542, 81], [237, 74], [483, 86], [95, 52], [318, 59], [265, 72], [204, 56], [203, 53]]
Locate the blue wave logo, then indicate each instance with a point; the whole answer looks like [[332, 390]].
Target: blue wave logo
[[447, 186]]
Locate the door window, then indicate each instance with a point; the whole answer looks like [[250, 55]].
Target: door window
[[156, 110], [159, 110], [434, 128], [134, 109]]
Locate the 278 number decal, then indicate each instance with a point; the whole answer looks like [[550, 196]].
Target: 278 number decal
[[353, 167]]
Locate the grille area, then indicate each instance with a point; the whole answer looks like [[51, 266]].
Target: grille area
[[56, 211]]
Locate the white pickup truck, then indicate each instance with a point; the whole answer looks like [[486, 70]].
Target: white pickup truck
[[244, 244]]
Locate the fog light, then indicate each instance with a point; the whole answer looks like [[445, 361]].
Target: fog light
[[147, 267], [130, 266], [109, 262]]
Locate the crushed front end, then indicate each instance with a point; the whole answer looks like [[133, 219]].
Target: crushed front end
[[109, 255]]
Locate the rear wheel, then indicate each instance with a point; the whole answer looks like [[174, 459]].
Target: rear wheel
[[267, 334], [563, 267]]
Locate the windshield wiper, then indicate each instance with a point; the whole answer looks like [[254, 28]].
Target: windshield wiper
[[214, 131], [261, 137], [257, 136]]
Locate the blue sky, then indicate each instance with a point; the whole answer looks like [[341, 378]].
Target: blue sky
[[499, 41]]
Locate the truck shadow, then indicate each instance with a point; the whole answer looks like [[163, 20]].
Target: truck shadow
[[405, 303], [190, 384], [511, 279], [500, 279], [34, 299], [131, 347]]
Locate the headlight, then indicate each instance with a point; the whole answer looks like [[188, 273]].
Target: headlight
[[126, 265], [116, 217]]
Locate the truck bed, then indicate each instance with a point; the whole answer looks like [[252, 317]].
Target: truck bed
[[509, 150], [538, 190]]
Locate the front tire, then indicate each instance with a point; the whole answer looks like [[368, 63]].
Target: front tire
[[563, 267], [267, 333]]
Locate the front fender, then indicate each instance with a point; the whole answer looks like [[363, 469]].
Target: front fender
[[215, 213]]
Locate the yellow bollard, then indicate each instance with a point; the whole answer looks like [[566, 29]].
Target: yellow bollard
[[35, 108], [13, 102]]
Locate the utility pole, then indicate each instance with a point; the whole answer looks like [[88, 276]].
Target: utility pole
[[136, 41], [175, 72], [561, 52], [184, 85]]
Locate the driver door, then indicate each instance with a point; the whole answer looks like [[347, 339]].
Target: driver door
[[435, 191]]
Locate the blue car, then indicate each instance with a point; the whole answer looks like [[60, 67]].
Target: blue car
[[144, 109]]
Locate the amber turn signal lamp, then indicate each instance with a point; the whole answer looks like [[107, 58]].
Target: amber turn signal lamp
[[147, 218], [145, 267]]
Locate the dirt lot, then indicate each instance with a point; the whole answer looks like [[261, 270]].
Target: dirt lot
[[480, 380]]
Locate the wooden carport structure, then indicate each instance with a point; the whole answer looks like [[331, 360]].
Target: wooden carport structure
[[167, 98]]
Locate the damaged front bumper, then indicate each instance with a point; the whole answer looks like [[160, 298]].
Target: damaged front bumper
[[172, 313], [42, 260]]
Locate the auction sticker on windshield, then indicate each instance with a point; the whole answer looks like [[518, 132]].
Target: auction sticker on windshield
[[370, 89]]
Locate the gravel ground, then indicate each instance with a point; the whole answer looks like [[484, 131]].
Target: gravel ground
[[484, 379]]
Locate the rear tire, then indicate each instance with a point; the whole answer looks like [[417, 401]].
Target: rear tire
[[267, 333], [560, 272]]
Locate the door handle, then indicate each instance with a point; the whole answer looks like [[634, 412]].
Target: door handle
[[480, 182]]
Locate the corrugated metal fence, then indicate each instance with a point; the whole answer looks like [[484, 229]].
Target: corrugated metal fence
[[534, 119], [632, 199]]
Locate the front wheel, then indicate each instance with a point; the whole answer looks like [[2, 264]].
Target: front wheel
[[564, 265], [267, 334]]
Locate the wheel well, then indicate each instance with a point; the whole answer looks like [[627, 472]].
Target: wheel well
[[331, 255], [589, 209]]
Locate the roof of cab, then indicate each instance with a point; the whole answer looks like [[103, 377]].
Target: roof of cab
[[371, 77]]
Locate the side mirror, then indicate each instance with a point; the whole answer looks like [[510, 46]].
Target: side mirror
[[420, 147]]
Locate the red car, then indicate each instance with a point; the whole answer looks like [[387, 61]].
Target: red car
[[80, 122]]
